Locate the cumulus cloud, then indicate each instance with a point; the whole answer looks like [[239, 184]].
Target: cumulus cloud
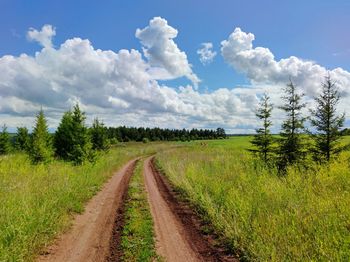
[[261, 67], [163, 54], [44, 36], [119, 87], [206, 54]]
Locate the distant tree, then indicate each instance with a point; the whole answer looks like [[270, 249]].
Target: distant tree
[[40, 146], [99, 136], [63, 139], [5, 145], [220, 132], [291, 146], [327, 122], [22, 139], [263, 139]]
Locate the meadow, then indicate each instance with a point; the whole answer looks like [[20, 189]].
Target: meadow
[[262, 216], [38, 201]]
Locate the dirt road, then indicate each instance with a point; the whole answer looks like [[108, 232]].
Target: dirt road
[[178, 236], [89, 238]]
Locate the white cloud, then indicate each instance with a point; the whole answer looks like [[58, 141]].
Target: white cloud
[[43, 37], [119, 87], [206, 54], [260, 66], [163, 54]]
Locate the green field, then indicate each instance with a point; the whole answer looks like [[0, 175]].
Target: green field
[[37, 201], [302, 216]]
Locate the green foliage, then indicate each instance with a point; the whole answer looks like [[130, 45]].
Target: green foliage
[[99, 136], [5, 145], [145, 140], [137, 241], [22, 139], [263, 140], [40, 146], [327, 122], [302, 216], [291, 146], [72, 139], [63, 139]]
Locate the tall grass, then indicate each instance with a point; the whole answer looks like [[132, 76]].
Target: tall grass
[[302, 216], [37, 201]]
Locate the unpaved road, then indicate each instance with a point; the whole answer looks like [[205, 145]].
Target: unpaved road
[[89, 238], [177, 228], [171, 243]]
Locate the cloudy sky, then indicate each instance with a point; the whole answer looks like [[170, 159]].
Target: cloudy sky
[[176, 64]]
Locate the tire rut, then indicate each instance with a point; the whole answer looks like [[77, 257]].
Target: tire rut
[[95, 232], [178, 229]]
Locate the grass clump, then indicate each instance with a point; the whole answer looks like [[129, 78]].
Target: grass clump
[[137, 241]]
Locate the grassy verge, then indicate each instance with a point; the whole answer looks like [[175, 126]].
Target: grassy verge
[[37, 201], [137, 241], [303, 216]]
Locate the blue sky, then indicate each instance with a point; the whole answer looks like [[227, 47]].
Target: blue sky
[[310, 30], [313, 29]]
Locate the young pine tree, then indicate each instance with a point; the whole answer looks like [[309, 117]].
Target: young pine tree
[[63, 139], [98, 134], [22, 139], [72, 140], [291, 147], [40, 146], [5, 145], [263, 140], [327, 122]]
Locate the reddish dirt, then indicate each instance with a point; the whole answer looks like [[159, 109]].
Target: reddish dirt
[[94, 232], [178, 229]]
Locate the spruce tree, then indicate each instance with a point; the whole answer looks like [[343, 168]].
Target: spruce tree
[[22, 139], [41, 146], [327, 122], [5, 145], [99, 137], [291, 146], [263, 140], [63, 139]]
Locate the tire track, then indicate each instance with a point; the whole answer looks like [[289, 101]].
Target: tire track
[[92, 236], [178, 234]]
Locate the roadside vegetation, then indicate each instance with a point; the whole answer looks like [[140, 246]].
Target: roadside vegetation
[[37, 201], [137, 242], [303, 215]]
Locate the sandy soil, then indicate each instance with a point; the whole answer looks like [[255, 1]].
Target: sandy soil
[[90, 236]]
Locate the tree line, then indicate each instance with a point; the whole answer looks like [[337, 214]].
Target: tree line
[[74, 141], [125, 134], [295, 142]]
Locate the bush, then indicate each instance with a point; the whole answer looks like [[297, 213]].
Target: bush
[[145, 140]]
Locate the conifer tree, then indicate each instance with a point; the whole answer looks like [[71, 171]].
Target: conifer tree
[[41, 146], [22, 139], [291, 146], [327, 122], [99, 137], [263, 139], [63, 139], [5, 145]]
